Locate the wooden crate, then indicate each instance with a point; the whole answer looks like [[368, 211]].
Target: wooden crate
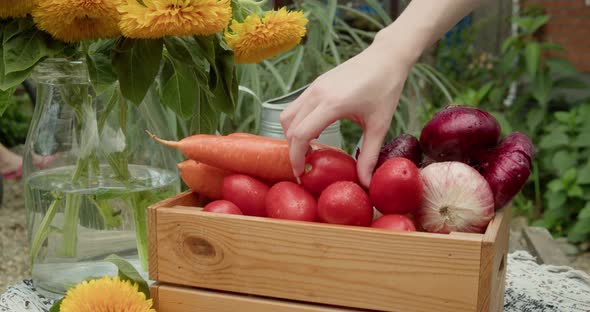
[[217, 262]]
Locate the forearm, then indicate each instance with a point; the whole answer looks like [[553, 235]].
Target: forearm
[[421, 24]]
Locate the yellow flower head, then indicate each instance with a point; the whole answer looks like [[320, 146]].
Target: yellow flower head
[[159, 18], [77, 20], [258, 38], [106, 295], [15, 8]]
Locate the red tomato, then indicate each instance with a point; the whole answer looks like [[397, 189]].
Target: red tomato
[[288, 200], [396, 187], [345, 203], [395, 222], [247, 193], [326, 166], [223, 206]]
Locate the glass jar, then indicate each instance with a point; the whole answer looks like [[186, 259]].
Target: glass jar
[[90, 172]]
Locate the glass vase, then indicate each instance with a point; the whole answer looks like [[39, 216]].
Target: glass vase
[[90, 172]]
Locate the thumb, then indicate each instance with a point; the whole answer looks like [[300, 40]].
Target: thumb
[[369, 155]]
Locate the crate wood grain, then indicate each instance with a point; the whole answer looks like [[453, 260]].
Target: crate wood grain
[[170, 298], [354, 267]]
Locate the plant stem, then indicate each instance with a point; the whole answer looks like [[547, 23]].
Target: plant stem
[[70, 235], [140, 218], [43, 230]]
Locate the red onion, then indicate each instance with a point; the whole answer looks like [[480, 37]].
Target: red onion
[[457, 133], [405, 145], [507, 167], [457, 198]]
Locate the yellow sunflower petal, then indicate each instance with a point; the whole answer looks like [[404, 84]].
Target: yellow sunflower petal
[[159, 18], [77, 20], [257, 38], [15, 8], [106, 295]]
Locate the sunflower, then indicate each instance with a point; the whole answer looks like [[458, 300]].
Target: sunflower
[[77, 20], [258, 38], [15, 8], [159, 18], [106, 295]]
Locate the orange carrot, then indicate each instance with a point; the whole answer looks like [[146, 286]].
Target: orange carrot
[[202, 178], [314, 145], [257, 157]]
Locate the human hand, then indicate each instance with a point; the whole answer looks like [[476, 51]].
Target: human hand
[[365, 89]]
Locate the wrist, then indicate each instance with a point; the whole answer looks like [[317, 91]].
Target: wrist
[[400, 45]]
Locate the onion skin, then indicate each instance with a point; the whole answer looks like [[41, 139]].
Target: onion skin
[[405, 145], [457, 198], [457, 133], [507, 167]]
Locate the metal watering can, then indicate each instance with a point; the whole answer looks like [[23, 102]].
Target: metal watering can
[[270, 126]]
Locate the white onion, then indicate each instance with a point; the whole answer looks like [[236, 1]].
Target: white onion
[[457, 198]]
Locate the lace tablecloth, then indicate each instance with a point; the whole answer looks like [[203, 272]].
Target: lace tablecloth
[[529, 287]]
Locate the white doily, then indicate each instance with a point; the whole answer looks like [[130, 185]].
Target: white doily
[[529, 288]]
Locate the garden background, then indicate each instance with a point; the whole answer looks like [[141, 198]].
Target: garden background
[[526, 62]]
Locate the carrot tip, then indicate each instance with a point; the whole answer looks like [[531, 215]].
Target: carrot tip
[[161, 141]]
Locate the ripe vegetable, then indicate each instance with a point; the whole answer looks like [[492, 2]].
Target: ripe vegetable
[[264, 158], [457, 133], [395, 222], [507, 167], [202, 178], [326, 166], [456, 199], [222, 206], [246, 192], [396, 187], [288, 200], [345, 203], [253, 155], [404, 145]]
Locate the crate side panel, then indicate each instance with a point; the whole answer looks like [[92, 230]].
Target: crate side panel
[[340, 265], [181, 299]]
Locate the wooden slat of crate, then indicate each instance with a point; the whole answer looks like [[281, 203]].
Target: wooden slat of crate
[[348, 266], [169, 298]]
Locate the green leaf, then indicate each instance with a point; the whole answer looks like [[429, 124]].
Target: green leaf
[[585, 212], [56, 306], [553, 140], [185, 50], [575, 191], [24, 51], [569, 176], [584, 174], [561, 66], [555, 185], [562, 161], [6, 99], [555, 200], [179, 88], [504, 123], [100, 69], [533, 57], [570, 83], [552, 46], [582, 140], [581, 229], [205, 120], [226, 90], [541, 88], [534, 118], [563, 117], [136, 63], [128, 273]]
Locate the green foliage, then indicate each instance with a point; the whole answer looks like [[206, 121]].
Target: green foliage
[[14, 123], [564, 153]]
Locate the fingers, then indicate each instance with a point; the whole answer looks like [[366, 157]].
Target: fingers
[[301, 134], [372, 141]]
